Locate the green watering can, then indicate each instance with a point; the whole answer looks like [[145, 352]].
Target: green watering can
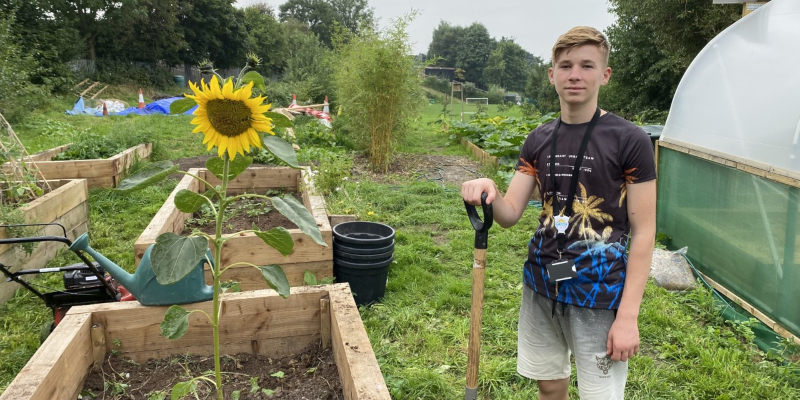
[[143, 284]]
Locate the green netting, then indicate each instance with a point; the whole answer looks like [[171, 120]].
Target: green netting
[[741, 230]]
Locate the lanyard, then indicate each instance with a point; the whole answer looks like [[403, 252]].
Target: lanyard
[[573, 187]]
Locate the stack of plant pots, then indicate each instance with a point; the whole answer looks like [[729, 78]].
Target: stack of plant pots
[[362, 254]]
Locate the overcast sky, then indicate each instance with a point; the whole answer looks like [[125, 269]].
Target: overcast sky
[[535, 25]]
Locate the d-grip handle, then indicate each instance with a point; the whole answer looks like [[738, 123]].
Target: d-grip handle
[[481, 227]]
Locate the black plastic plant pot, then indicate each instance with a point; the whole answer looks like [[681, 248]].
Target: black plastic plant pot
[[363, 233], [367, 280], [359, 257], [362, 249]]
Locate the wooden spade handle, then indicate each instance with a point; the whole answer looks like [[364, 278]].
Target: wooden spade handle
[[476, 314]]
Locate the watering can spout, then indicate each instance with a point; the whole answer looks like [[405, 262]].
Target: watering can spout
[[143, 283], [119, 274]]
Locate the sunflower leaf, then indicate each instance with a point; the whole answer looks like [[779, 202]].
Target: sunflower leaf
[[181, 106], [237, 166], [256, 78], [282, 150], [189, 201], [173, 257], [279, 238], [299, 215], [175, 323], [151, 174], [279, 120], [276, 279]]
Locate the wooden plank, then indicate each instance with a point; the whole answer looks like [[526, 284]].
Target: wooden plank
[[482, 156], [260, 179], [325, 322], [168, 218], [65, 196], [250, 278], [57, 370], [99, 91], [127, 158], [48, 155], [334, 220], [75, 169], [763, 170], [89, 88], [17, 259], [250, 248], [244, 318], [752, 310], [270, 347], [358, 368]]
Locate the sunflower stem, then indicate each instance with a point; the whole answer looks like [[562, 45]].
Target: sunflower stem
[[217, 272]]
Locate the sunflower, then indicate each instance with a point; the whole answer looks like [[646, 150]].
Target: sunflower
[[229, 119]]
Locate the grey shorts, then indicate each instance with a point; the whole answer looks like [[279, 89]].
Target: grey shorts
[[546, 340]]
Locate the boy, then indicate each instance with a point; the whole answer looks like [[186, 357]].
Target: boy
[[596, 175]]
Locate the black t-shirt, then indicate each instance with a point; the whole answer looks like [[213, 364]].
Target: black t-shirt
[[619, 153]]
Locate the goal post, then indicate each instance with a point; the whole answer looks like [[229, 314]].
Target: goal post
[[472, 105]]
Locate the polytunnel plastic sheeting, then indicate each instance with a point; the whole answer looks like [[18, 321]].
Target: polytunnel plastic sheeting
[[741, 94], [741, 230]]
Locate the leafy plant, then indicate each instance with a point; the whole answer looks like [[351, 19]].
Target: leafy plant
[[87, 145], [378, 86], [501, 137], [173, 257]]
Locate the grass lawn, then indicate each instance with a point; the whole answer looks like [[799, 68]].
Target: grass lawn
[[419, 332]]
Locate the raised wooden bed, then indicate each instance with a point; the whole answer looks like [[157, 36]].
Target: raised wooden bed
[[482, 156], [258, 322], [307, 254], [98, 172], [67, 205]]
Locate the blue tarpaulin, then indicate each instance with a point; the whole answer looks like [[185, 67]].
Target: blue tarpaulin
[[156, 107]]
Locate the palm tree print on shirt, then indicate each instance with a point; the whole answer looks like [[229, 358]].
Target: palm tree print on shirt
[[583, 214], [624, 187], [530, 170]]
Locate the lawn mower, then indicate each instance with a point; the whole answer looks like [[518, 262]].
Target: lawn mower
[[84, 283]]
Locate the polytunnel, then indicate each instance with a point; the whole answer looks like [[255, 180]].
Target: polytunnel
[[729, 165]]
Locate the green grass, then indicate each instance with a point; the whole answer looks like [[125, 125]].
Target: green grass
[[419, 332]]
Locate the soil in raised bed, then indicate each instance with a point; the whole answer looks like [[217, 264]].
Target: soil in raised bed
[[241, 215], [308, 375]]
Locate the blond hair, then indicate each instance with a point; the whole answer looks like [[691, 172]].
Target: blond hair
[[579, 36]]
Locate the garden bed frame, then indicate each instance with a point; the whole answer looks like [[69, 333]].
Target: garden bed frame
[[481, 155], [307, 254], [98, 172], [68, 205], [258, 322]]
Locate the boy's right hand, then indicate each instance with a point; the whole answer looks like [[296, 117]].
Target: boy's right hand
[[471, 191]]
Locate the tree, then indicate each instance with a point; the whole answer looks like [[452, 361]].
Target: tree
[[323, 16], [87, 16], [653, 43], [507, 66], [467, 48], [267, 38], [50, 42], [214, 30], [145, 30], [539, 90]]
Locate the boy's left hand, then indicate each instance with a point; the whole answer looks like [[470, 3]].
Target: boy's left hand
[[623, 339]]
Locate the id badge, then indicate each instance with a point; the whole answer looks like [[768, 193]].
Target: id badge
[[561, 270], [562, 223]]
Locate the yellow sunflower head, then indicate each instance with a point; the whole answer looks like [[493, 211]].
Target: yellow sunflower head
[[229, 119]]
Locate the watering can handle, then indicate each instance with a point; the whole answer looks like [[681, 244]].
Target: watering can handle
[[481, 227]]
